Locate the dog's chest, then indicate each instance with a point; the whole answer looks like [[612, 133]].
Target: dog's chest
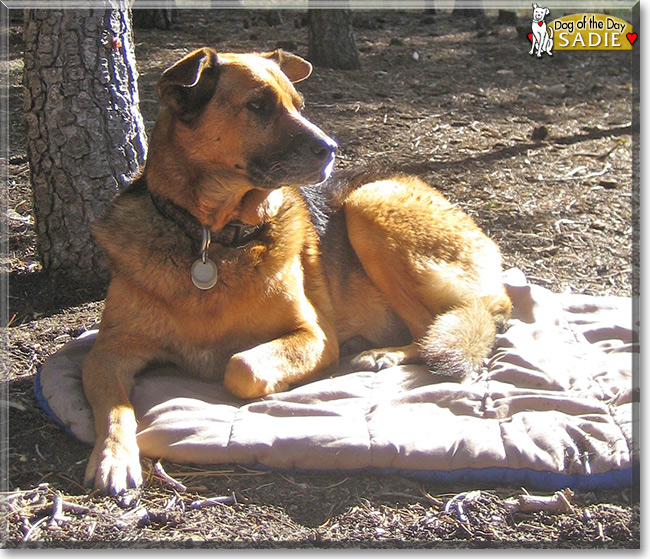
[[208, 363]]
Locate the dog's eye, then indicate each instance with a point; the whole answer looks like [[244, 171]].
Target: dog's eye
[[260, 107]]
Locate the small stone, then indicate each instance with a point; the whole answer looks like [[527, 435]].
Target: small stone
[[539, 134]]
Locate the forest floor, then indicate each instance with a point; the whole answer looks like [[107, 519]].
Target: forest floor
[[538, 151]]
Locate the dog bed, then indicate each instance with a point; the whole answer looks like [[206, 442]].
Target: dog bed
[[554, 406]]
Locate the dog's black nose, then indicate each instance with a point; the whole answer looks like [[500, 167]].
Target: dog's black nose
[[323, 148]]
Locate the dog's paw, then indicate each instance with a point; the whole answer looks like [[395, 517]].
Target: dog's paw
[[114, 467], [376, 360]]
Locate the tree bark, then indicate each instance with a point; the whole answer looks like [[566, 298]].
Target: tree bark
[[331, 39], [85, 134], [159, 18]]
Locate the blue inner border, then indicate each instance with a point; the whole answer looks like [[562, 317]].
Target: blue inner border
[[549, 481], [42, 401]]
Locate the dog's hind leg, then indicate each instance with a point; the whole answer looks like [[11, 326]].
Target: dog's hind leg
[[374, 235], [436, 270]]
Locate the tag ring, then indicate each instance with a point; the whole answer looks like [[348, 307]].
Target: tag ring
[[205, 244]]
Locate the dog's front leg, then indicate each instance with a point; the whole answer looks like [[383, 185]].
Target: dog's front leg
[[273, 366], [114, 464]]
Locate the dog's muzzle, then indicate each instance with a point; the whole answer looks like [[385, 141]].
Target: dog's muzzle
[[305, 158], [315, 149]]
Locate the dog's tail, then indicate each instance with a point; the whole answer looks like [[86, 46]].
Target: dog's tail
[[459, 339]]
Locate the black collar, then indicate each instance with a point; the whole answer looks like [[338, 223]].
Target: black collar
[[234, 234]]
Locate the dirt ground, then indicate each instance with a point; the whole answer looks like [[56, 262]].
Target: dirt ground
[[539, 152]]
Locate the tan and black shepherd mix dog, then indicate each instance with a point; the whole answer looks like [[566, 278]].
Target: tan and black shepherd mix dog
[[226, 262]]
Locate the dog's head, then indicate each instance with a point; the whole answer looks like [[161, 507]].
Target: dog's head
[[239, 116], [539, 13]]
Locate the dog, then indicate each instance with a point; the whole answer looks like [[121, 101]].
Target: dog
[[238, 257], [541, 38]]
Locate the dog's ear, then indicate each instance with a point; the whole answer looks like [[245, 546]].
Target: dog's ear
[[534, 6], [294, 67], [547, 11], [188, 85]]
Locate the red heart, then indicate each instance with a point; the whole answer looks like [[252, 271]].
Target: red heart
[[631, 37], [530, 37], [540, 23]]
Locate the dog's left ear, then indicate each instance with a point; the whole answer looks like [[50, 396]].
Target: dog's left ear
[[188, 85], [294, 67]]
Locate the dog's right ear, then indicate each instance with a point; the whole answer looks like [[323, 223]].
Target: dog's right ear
[[534, 6], [293, 66], [188, 85]]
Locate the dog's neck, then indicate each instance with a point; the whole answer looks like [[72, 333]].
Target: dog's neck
[[234, 234], [214, 198]]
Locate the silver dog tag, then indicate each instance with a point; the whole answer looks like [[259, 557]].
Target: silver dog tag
[[204, 271], [204, 274]]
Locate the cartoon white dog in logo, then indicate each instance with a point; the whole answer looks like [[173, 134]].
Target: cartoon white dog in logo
[[541, 39]]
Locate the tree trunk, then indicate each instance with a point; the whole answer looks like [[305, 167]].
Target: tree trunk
[[160, 18], [85, 134], [331, 39], [430, 8], [507, 17], [475, 11]]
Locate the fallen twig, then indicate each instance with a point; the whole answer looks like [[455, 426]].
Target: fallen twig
[[431, 498], [224, 500], [458, 500], [559, 502], [571, 174], [165, 477], [33, 527], [91, 530], [74, 508], [56, 516]]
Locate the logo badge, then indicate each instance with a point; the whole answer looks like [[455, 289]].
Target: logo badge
[[590, 31]]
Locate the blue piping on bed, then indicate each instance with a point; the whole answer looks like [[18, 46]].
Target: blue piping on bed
[[526, 477], [42, 401]]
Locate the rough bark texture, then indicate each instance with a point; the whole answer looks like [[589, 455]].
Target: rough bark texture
[[331, 39], [86, 136]]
